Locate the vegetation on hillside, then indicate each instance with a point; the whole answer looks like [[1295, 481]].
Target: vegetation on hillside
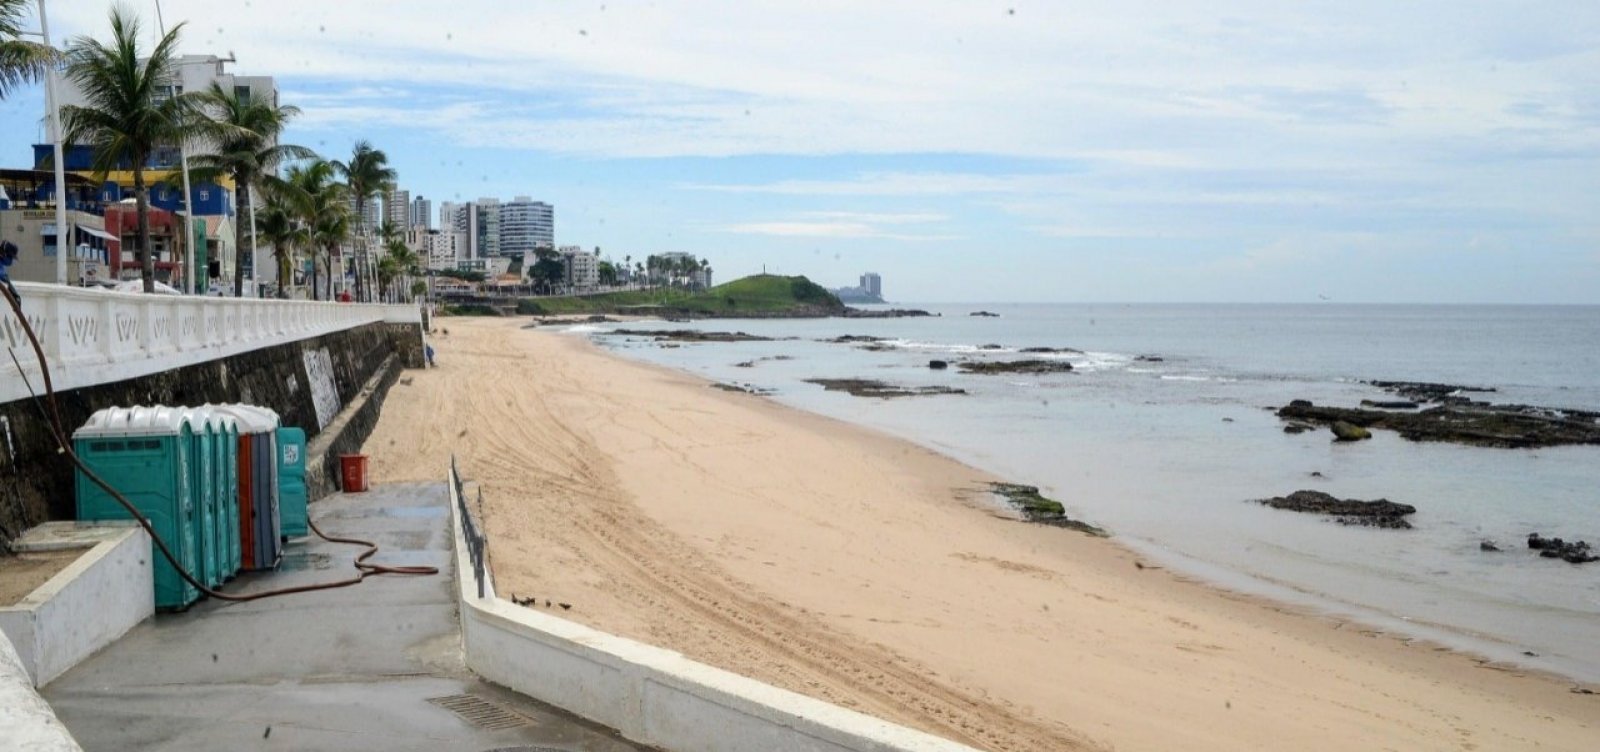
[[759, 295]]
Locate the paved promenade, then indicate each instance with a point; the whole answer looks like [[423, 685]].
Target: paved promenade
[[372, 667]]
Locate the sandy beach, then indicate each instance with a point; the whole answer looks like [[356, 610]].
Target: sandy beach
[[867, 571]]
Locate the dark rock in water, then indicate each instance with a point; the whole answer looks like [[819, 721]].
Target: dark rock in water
[[1424, 391], [1049, 350], [1227, 420], [741, 388], [991, 346], [875, 347], [1041, 509], [938, 365], [1343, 431], [985, 314], [1488, 545], [850, 339], [873, 388], [687, 335], [1149, 359], [1316, 474], [1298, 428], [892, 313], [1477, 424], [1577, 552], [745, 364], [1390, 404], [1015, 366], [1380, 513]]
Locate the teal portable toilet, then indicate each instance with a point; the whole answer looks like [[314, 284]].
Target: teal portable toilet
[[144, 453], [203, 486], [292, 497], [227, 482], [221, 539]]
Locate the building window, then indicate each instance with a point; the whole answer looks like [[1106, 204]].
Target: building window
[[242, 93]]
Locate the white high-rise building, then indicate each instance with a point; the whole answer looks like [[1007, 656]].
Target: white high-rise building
[[421, 213], [526, 225], [583, 269], [397, 207]]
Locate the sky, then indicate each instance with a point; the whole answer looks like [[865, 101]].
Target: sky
[[973, 151]]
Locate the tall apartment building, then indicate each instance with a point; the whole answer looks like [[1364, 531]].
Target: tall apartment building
[[526, 225], [488, 228], [872, 283], [441, 249], [420, 214], [397, 207]]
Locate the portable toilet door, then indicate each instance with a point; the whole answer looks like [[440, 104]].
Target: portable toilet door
[[144, 453], [225, 481], [292, 501], [203, 472]]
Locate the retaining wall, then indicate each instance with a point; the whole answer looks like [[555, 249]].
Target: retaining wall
[[88, 604], [650, 695], [26, 720]]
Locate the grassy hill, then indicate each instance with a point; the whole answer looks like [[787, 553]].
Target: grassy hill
[[762, 295]]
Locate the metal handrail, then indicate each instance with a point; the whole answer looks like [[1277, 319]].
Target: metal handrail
[[477, 542]]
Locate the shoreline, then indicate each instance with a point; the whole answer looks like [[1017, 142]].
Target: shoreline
[[940, 618]]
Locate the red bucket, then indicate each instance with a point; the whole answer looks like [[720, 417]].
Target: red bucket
[[353, 472]]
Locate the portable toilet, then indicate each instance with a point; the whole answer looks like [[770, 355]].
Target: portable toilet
[[260, 528], [292, 496], [203, 487], [144, 453], [220, 551]]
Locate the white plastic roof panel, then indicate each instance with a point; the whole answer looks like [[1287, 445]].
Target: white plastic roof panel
[[215, 417], [135, 421], [252, 418]]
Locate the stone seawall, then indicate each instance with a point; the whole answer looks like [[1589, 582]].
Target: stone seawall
[[307, 382]]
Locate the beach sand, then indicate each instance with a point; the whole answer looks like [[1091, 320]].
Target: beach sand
[[867, 571]]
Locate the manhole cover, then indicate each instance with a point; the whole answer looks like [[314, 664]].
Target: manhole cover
[[480, 712]]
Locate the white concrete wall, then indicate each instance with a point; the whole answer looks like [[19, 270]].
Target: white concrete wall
[[91, 336], [84, 607], [27, 724], [651, 695]]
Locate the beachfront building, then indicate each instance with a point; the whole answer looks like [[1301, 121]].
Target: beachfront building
[[526, 225], [490, 268], [873, 284], [582, 268], [439, 249]]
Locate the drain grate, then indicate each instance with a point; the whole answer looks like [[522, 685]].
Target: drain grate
[[480, 712]]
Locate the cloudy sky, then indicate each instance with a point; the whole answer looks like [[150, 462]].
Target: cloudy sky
[[975, 151]]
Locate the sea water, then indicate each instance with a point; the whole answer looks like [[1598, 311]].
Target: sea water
[[1168, 454]]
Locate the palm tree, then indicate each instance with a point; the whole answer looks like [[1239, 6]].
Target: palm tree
[[366, 174], [21, 61], [242, 133], [281, 226], [130, 110], [323, 209]]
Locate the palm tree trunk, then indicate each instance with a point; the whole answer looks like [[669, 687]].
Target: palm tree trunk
[[141, 198], [243, 182]]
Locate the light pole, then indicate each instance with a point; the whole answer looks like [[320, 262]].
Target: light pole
[[189, 275], [63, 241]]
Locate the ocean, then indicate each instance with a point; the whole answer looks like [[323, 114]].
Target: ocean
[[1168, 454]]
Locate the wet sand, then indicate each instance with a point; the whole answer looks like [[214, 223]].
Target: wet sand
[[867, 571]]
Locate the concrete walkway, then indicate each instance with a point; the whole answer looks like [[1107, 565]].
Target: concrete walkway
[[375, 667]]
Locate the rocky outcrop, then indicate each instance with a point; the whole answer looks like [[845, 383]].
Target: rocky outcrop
[[1429, 392], [1048, 350], [852, 339], [1014, 366], [1380, 513], [892, 313], [1476, 424], [985, 314], [1390, 404], [938, 365], [1149, 359], [1035, 507], [1576, 552], [881, 389], [687, 335]]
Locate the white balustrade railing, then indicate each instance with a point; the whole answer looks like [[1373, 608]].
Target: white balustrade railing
[[92, 336]]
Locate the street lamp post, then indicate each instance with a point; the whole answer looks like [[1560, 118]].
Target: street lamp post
[[62, 238]]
